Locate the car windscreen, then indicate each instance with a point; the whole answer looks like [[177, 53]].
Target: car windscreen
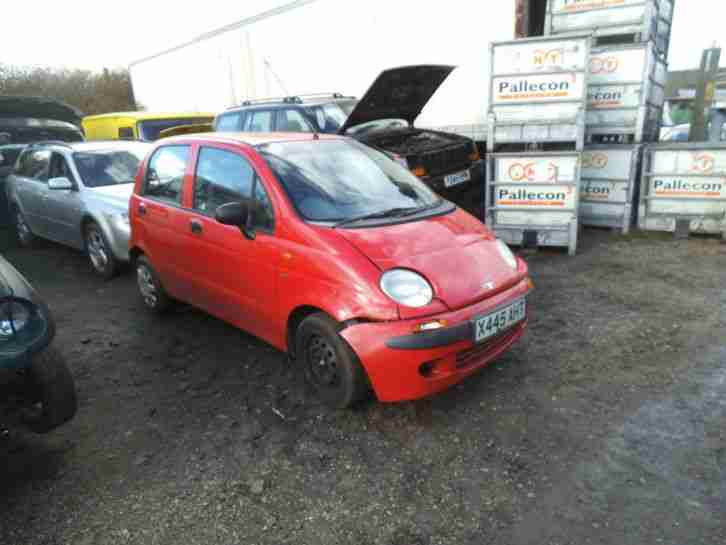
[[8, 156], [149, 130], [339, 180], [330, 117], [104, 167]]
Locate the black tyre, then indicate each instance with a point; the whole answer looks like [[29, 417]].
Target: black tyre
[[331, 367], [152, 292], [99, 252], [53, 389], [23, 234]]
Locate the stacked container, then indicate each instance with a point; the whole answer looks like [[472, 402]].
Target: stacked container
[[538, 96], [626, 94]]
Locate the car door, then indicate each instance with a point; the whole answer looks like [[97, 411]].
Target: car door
[[234, 276], [64, 208], [159, 215], [31, 189]]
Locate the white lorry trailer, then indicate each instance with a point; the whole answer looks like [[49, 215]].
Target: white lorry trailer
[[312, 46]]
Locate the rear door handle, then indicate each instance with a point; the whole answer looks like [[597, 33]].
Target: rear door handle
[[142, 209], [196, 227]]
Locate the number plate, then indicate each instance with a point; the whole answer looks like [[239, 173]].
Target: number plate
[[458, 178], [486, 327]]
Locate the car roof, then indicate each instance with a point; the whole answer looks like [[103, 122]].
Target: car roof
[[286, 103], [250, 138], [145, 116], [93, 145]]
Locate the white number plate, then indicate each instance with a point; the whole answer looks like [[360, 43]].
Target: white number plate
[[492, 324], [458, 178]]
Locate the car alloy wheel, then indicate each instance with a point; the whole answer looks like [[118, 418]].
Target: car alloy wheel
[[97, 250], [147, 286], [322, 362]]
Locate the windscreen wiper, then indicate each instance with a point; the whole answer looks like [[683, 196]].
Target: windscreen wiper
[[391, 212]]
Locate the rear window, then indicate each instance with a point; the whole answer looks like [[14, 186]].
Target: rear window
[[149, 130], [104, 168]]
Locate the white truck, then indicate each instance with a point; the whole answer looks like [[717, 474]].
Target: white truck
[[313, 46]]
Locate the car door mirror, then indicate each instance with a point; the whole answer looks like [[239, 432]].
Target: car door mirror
[[238, 214], [60, 184]]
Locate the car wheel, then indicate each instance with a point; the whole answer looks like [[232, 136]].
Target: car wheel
[[23, 234], [331, 367], [103, 261], [52, 386], [152, 292]]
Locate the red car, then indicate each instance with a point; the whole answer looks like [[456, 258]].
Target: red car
[[331, 251]]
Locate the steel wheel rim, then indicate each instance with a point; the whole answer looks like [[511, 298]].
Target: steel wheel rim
[[22, 227], [322, 362], [97, 250], [147, 287]]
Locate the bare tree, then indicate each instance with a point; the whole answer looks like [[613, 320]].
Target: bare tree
[[91, 92]]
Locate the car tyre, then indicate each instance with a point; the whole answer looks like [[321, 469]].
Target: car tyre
[[152, 292], [99, 252], [23, 234], [53, 390], [330, 365]]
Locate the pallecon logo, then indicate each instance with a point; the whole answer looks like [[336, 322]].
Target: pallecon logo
[[703, 163], [584, 5], [527, 197], [603, 99], [595, 192], [523, 88], [594, 160], [604, 65], [520, 172], [548, 58], [674, 188]]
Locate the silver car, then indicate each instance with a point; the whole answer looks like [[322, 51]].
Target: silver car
[[77, 194]]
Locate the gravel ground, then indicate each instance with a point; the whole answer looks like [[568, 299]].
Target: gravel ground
[[606, 424]]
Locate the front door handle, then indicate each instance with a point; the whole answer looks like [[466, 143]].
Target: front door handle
[[142, 209], [196, 227]]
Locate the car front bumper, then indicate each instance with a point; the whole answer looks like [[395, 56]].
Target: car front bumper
[[404, 365], [467, 195]]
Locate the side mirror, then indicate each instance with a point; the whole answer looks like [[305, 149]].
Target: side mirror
[[60, 184], [238, 214]]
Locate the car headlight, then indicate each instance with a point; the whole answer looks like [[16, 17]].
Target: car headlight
[[15, 315], [407, 288], [506, 254]]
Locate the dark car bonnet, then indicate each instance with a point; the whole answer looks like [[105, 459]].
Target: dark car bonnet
[[398, 93]]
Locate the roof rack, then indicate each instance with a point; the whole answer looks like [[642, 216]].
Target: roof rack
[[294, 99]]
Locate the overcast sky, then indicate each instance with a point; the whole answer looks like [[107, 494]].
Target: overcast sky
[[103, 33]]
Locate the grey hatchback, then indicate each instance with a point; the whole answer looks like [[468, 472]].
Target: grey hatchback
[[77, 194]]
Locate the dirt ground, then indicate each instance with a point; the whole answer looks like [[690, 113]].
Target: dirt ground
[[606, 424]]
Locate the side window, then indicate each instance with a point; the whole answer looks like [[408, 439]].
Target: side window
[[36, 164], [259, 121], [126, 133], [165, 174], [222, 177], [59, 167], [292, 121], [228, 122]]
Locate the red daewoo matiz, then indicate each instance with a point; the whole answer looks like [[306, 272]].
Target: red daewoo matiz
[[331, 251]]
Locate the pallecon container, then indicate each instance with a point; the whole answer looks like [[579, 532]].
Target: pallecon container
[[533, 198], [626, 92], [683, 186], [610, 177], [538, 91], [630, 21]]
